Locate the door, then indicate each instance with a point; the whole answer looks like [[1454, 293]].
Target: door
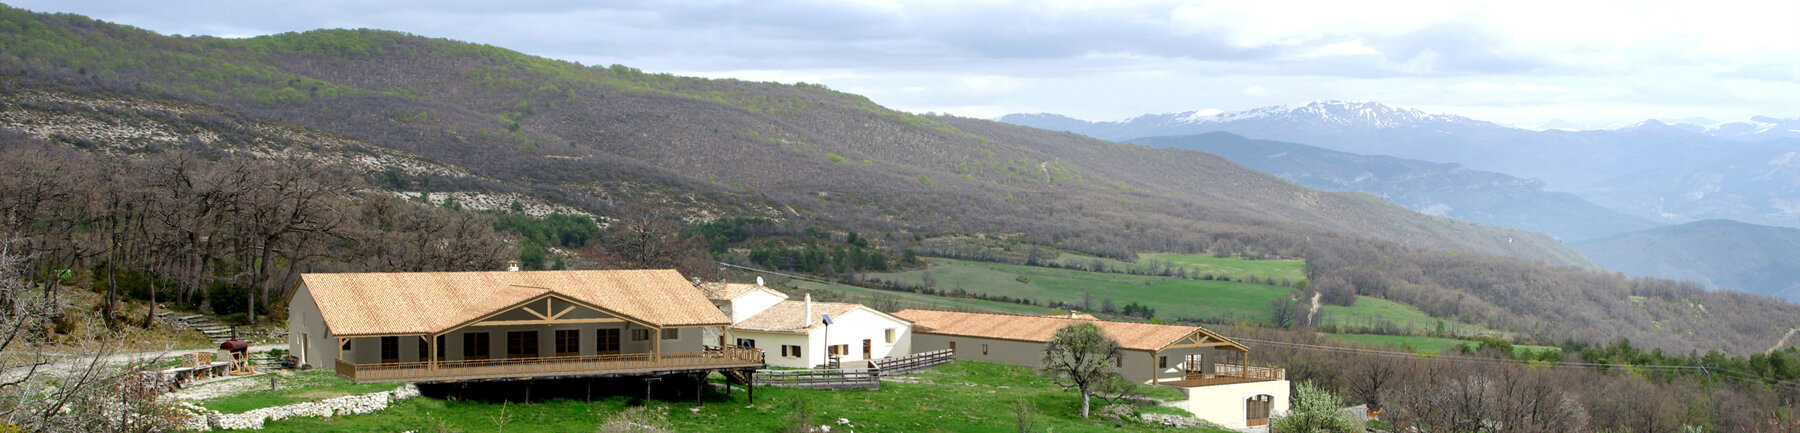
[[1194, 364], [867, 349], [390, 350], [1256, 410]]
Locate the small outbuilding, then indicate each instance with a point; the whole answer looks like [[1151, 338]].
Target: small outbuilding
[[793, 333]]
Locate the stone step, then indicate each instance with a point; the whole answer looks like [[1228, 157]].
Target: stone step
[[187, 318]]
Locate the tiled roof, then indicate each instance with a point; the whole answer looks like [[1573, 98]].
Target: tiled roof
[[431, 302], [1134, 336], [726, 291], [786, 316]]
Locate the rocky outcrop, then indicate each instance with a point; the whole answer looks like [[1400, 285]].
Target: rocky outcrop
[[206, 419]]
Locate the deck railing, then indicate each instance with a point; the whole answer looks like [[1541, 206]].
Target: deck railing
[[915, 362], [1245, 372], [821, 378], [711, 357]]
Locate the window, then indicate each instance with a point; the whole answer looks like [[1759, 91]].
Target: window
[[1162, 362], [390, 350], [891, 332], [1119, 362], [346, 345], [568, 342], [745, 342], [840, 349], [522, 344], [475, 345], [640, 335], [671, 334], [607, 343], [790, 351]]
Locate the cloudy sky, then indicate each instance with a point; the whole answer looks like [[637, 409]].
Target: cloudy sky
[[1516, 62]]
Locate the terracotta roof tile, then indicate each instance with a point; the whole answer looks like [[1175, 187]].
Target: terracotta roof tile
[[785, 316], [725, 291], [430, 302], [1133, 336]]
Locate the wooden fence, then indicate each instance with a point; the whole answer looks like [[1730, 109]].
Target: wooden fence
[[820, 379], [914, 362]]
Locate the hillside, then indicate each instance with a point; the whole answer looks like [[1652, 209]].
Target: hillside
[[1760, 186], [1432, 188], [483, 121], [612, 137], [1716, 253]]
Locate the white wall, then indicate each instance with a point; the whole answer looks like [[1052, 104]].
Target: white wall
[[860, 324], [1225, 404], [770, 343], [751, 303]]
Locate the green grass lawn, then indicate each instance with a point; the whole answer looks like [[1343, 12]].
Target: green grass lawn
[[1369, 311], [315, 385], [1430, 344], [958, 397], [1293, 270]]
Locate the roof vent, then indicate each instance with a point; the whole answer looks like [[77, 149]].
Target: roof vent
[[512, 265]]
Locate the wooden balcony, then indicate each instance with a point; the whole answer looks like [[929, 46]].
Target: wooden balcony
[[729, 357], [1227, 374]]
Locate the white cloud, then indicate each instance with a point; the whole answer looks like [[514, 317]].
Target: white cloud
[[1255, 90]]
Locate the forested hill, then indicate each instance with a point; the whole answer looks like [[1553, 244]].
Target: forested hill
[[706, 147], [607, 139], [1717, 253]]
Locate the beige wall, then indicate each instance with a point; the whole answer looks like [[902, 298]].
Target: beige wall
[[770, 343], [751, 303], [1226, 404], [307, 336], [1136, 366]]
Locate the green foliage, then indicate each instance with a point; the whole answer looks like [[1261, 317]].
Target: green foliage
[[924, 180], [818, 259], [1080, 356], [559, 229], [1314, 410], [833, 157], [721, 233]]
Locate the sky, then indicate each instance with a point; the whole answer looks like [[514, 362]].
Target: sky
[[1520, 62]]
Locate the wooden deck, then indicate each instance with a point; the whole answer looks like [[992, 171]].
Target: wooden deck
[[1228, 374], [730, 357]]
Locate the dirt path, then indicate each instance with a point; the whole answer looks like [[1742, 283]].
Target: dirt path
[[1314, 312], [1784, 341], [73, 362]]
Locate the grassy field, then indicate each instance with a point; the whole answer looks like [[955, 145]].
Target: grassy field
[[874, 297], [1199, 264], [1213, 300], [318, 384], [959, 397], [1428, 344]]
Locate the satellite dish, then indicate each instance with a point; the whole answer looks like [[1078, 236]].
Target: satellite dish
[[827, 317], [759, 281]]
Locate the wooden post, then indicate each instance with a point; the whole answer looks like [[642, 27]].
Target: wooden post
[[656, 345], [431, 344], [1155, 370], [700, 388], [750, 383]]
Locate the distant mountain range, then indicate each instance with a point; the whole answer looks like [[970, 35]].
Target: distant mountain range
[[1566, 160], [1428, 187], [1716, 253], [1626, 168]]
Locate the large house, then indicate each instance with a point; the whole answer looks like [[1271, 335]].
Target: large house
[[454, 326], [793, 333], [1209, 367]]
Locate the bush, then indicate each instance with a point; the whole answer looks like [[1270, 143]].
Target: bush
[[1314, 410], [226, 298]]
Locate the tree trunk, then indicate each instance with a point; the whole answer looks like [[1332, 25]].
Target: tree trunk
[[1084, 402]]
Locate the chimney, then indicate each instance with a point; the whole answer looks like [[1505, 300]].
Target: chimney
[[806, 320], [512, 265]]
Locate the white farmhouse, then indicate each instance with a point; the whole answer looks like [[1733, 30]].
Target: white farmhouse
[[793, 333]]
